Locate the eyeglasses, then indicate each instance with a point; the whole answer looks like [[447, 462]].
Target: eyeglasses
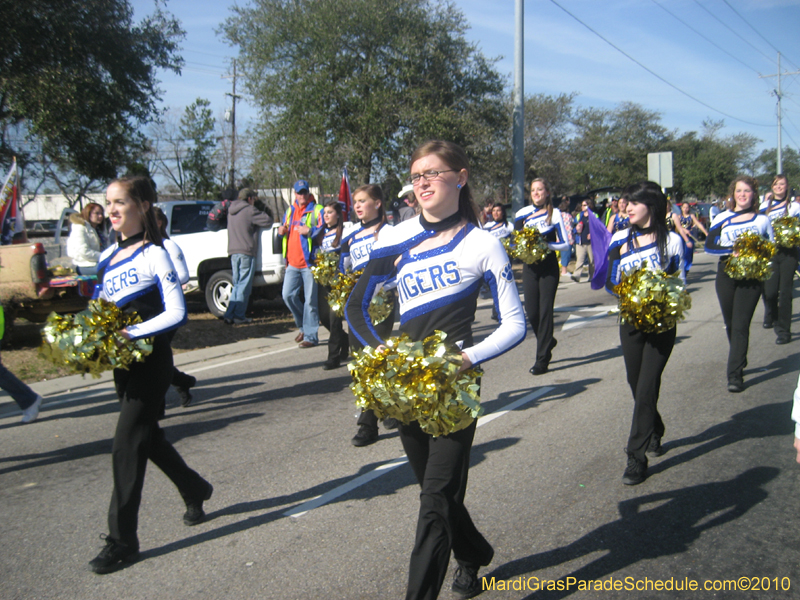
[[428, 175]]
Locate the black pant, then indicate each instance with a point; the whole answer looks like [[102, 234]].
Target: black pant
[[646, 355], [738, 299], [539, 283], [337, 341], [384, 329], [441, 466], [141, 391], [778, 290]]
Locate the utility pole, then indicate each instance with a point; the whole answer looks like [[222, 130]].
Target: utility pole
[[777, 92], [518, 173], [234, 98]]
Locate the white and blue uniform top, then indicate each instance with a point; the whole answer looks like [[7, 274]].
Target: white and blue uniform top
[[356, 248], [499, 229], [789, 209], [624, 255], [328, 240], [145, 282], [722, 232], [438, 288], [178, 260], [554, 233]]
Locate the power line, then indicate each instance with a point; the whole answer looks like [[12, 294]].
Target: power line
[[728, 27], [756, 30], [705, 38], [654, 74]]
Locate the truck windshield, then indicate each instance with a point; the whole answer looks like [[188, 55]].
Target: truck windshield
[[190, 218]]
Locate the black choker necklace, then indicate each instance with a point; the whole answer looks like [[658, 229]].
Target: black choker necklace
[[437, 226], [134, 239], [369, 224]]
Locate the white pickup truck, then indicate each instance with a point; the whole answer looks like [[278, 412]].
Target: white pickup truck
[[206, 254]]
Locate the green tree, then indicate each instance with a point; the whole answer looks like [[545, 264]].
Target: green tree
[[362, 79], [80, 78], [197, 130], [610, 147], [766, 163]]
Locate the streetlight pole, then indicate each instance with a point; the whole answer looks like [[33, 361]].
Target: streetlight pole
[[234, 98], [518, 181]]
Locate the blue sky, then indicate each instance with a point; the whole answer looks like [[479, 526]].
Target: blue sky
[[562, 55]]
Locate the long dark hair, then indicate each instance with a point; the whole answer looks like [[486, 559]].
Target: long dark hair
[[140, 189], [785, 198], [337, 206], [650, 194], [375, 193], [454, 157], [752, 183]]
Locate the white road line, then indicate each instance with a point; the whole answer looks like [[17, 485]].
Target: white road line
[[574, 321], [299, 511], [238, 360]]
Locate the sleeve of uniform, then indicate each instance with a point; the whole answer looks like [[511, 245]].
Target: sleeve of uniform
[[344, 255], [796, 410], [519, 218], [561, 242], [102, 264], [178, 260], [770, 232], [512, 327], [174, 314], [613, 261], [713, 245], [379, 269], [676, 259]]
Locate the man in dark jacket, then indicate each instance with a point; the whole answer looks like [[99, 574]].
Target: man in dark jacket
[[244, 222]]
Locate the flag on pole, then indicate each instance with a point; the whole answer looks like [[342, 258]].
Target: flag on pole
[[10, 214], [344, 194], [601, 238]]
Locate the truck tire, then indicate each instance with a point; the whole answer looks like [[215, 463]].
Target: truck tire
[[218, 292]]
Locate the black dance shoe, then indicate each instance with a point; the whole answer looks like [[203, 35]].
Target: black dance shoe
[[113, 556], [465, 582], [183, 392], [331, 364], [364, 437], [654, 448], [783, 339], [636, 471], [194, 514]]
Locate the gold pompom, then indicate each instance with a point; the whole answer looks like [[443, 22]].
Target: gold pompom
[[381, 306], [751, 257], [652, 301], [326, 267], [528, 245], [417, 381], [787, 231], [89, 341]]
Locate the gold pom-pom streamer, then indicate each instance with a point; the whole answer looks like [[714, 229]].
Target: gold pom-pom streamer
[[326, 267], [751, 257], [417, 381], [89, 342], [381, 306], [787, 231], [652, 301], [528, 245]]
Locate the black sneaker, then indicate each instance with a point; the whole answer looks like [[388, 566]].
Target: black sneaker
[[538, 369], [635, 472], [654, 448], [364, 437], [183, 392], [390, 423], [465, 582], [332, 363], [194, 514], [768, 324], [735, 387], [113, 556], [784, 338]]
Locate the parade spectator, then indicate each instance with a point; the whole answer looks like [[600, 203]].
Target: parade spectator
[[301, 217], [411, 208], [569, 226], [583, 245], [28, 400], [244, 221], [611, 212], [87, 238]]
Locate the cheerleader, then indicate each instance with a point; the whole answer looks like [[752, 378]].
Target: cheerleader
[[778, 288], [737, 297], [540, 280], [355, 254], [137, 274], [439, 261], [620, 220], [688, 222], [499, 226], [646, 354], [328, 238]]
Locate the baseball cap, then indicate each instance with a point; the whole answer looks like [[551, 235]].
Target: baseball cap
[[300, 185], [246, 193]]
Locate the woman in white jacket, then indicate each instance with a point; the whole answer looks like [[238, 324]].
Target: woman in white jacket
[[86, 238]]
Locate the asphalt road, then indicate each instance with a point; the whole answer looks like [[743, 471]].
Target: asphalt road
[[298, 512]]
